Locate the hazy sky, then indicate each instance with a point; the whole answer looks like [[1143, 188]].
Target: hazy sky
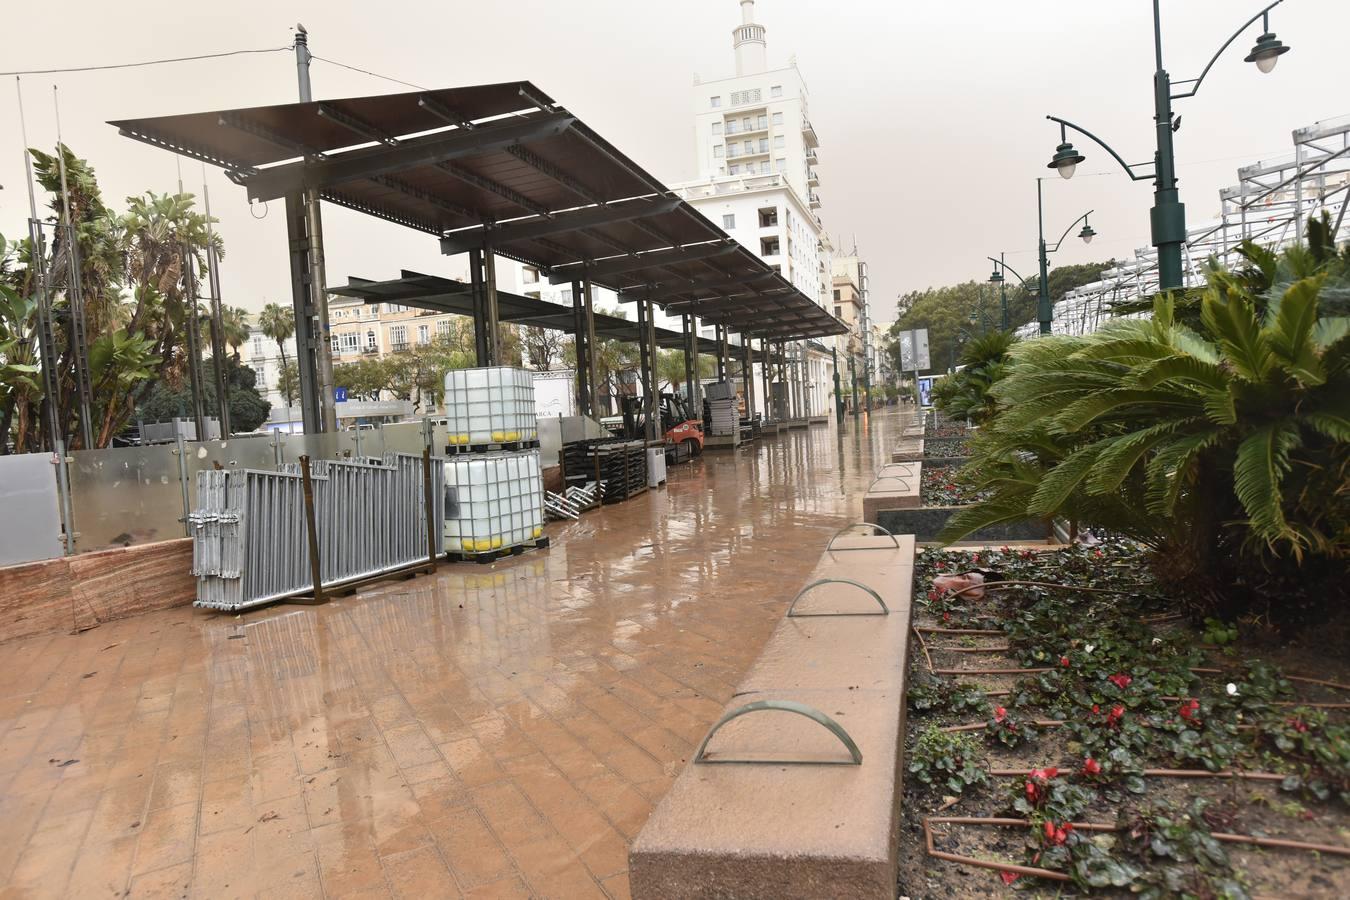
[[930, 115]]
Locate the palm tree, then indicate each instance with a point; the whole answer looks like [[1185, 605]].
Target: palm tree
[[1220, 446], [234, 319], [278, 323]]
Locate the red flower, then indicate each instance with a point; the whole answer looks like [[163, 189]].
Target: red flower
[[1190, 710], [1008, 877], [1099, 553], [946, 617], [1056, 835], [1120, 680], [1091, 767], [1037, 782], [1000, 714], [1064, 661], [1298, 725], [1096, 710], [1113, 718], [940, 565]]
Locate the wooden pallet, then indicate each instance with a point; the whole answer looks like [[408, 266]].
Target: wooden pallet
[[491, 556]]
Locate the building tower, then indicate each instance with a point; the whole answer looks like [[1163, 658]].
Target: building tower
[[755, 154], [748, 39]]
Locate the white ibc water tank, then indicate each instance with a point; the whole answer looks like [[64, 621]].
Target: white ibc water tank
[[493, 500], [490, 406]]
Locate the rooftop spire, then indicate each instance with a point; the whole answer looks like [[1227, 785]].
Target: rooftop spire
[[748, 39]]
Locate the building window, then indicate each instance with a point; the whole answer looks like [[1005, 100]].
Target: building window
[[719, 151], [748, 123], [836, 300], [257, 345], [838, 310], [739, 98], [348, 340], [717, 127], [768, 217], [423, 334], [733, 126], [370, 340], [749, 146], [780, 165], [530, 274], [716, 102], [729, 221], [733, 150], [763, 145], [764, 167], [333, 344], [763, 121], [778, 118], [734, 170], [779, 142], [398, 337], [768, 246], [776, 90]]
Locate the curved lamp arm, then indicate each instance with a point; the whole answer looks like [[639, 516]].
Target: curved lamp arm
[[1129, 169], [1067, 230], [1195, 82], [999, 262]]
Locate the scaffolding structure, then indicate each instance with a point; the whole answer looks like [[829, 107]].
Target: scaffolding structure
[[1270, 204]]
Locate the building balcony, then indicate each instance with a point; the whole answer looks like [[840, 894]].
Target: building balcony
[[815, 200], [809, 135], [811, 156], [370, 351], [400, 346], [812, 178]]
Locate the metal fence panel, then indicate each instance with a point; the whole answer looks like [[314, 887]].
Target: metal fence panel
[[126, 495], [30, 528]]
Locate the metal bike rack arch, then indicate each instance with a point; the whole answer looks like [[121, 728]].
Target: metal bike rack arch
[[792, 706], [875, 481], [885, 611], [830, 548]]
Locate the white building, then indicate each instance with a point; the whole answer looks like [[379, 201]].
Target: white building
[[755, 149]]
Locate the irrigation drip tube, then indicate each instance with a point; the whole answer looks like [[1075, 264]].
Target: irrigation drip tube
[[1036, 872]]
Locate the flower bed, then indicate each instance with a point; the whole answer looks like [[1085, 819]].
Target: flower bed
[[945, 428], [1076, 704], [945, 448], [947, 486]]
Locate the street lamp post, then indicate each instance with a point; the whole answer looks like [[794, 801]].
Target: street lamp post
[[1167, 219], [1044, 311], [996, 277]]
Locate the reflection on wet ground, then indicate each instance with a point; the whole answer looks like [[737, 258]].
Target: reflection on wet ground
[[490, 731]]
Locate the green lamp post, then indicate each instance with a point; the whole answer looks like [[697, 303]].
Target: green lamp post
[[996, 277], [1167, 219], [1045, 313]]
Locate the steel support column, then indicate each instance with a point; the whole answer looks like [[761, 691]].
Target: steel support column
[[582, 351], [690, 360], [481, 349], [323, 341], [652, 399], [297, 237], [592, 368], [490, 315], [192, 327], [747, 377], [766, 373]]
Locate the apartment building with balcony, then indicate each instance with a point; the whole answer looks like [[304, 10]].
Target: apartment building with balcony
[[756, 152]]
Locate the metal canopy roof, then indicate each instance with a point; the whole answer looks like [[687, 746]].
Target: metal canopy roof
[[447, 295], [501, 165]]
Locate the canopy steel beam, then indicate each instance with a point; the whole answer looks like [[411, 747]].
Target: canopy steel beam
[[664, 291], [589, 217], [277, 181], [618, 266]]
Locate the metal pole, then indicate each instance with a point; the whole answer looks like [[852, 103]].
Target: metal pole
[[319, 336], [1004, 285], [592, 367], [853, 376], [1044, 312], [194, 342], [217, 319], [490, 304], [579, 345], [312, 530], [1168, 216], [765, 365], [838, 386], [747, 378], [689, 361], [297, 237], [482, 353], [79, 348], [654, 429]]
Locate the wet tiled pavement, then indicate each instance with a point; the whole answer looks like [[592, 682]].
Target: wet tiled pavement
[[493, 731]]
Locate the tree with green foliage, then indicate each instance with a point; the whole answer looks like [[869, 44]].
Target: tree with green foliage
[[1225, 447], [248, 409], [966, 394], [278, 323], [134, 293], [288, 381]]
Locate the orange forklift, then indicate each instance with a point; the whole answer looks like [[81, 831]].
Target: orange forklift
[[682, 431]]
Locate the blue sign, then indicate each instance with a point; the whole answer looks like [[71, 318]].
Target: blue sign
[[339, 395]]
